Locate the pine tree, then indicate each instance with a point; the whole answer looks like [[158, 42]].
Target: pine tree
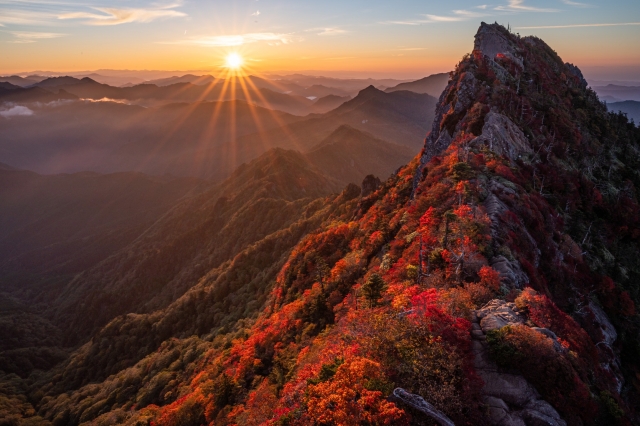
[[372, 289]]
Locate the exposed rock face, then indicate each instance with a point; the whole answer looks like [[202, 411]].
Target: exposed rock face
[[511, 275], [370, 184], [503, 137], [510, 398], [609, 334], [497, 314], [490, 41], [576, 71]]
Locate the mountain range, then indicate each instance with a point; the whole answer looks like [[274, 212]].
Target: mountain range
[[201, 139], [490, 277]]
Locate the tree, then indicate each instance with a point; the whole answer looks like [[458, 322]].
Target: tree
[[373, 288], [355, 395]]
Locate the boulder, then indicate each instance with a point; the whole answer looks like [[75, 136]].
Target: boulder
[[545, 408], [511, 274], [511, 388], [536, 418], [512, 420], [497, 314]]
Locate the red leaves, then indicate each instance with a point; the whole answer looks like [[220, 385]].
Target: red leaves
[[489, 277], [464, 212]]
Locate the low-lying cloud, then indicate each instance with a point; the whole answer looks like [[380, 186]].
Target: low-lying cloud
[[16, 111]]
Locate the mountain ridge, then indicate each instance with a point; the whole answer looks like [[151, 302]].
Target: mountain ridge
[[491, 280]]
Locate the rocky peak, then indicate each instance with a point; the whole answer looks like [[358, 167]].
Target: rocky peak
[[504, 89], [493, 40]]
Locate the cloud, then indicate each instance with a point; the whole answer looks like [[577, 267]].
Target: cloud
[[16, 16], [16, 111], [575, 3], [457, 16], [619, 24], [32, 37], [519, 6], [331, 31], [115, 16], [237, 40], [256, 13]]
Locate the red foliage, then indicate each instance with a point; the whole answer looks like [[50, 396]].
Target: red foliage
[[489, 277]]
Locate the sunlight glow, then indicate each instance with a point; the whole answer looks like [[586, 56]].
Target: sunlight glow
[[233, 61]]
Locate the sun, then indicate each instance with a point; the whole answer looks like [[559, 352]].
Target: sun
[[233, 61]]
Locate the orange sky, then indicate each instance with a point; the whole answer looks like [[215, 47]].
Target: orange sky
[[403, 39]]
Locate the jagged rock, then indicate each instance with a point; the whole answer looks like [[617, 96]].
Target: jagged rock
[[511, 274], [502, 136], [511, 388], [370, 184], [512, 420], [497, 409], [491, 41], [497, 314], [495, 402], [576, 71], [543, 407], [601, 319], [536, 418], [482, 360], [351, 191], [495, 208], [467, 89]]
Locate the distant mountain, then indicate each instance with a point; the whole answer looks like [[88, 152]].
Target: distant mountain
[[33, 94], [320, 91], [59, 81], [187, 78], [349, 85], [400, 117], [22, 81], [348, 155], [206, 140], [8, 86], [432, 85], [617, 93], [329, 102], [631, 108]]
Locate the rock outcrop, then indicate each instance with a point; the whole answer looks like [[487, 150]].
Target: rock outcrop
[[510, 399], [503, 137]]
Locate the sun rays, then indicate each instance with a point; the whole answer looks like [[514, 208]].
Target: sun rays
[[236, 90], [233, 61]]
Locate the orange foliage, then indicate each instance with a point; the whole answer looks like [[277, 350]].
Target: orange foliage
[[349, 397]]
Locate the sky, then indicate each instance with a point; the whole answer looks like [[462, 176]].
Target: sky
[[399, 38]]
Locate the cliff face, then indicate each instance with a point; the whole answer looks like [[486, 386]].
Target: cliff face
[[493, 280]]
